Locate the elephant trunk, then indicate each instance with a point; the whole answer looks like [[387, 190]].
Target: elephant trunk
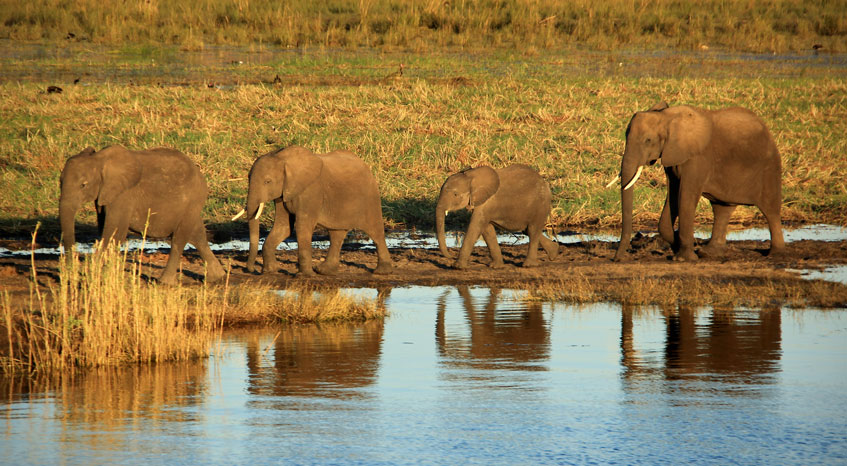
[[628, 176], [253, 224], [67, 214], [440, 214]]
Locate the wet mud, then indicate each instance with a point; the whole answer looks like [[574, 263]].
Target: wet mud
[[650, 257]]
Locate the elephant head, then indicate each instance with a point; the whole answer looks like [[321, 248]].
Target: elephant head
[[281, 174], [468, 189], [671, 135], [94, 176]]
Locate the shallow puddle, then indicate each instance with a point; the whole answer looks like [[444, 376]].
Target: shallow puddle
[[467, 375]]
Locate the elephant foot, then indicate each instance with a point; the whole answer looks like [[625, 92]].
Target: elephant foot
[[270, 266], [215, 277], [712, 251], [531, 263], [168, 279], [622, 256], [497, 264], [685, 256], [327, 268], [306, 272], [458, 265], [384, 268], [777, 253]]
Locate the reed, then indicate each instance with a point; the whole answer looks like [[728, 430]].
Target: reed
[[103, 311]]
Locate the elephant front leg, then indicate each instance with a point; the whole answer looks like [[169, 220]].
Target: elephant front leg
[[333, 256], [279, 231], [670, 211], [475, 228], [687, 209], [489, 234], [304, 230]]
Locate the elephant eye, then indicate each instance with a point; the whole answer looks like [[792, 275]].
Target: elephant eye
[[267, 181], [648, 140]]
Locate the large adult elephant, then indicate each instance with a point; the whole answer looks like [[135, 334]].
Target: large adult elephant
[[158, 190], [515, 198], [727, 156], [335, 190]]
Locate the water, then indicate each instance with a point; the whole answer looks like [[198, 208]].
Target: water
[[467, 376]]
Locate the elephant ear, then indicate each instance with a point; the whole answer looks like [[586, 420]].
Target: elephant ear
[[120, 170], [658, 106], [689, 132], [301, 168], [484, 182]]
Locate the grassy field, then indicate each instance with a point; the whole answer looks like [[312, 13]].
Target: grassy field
[[421, 25], [563, 112]]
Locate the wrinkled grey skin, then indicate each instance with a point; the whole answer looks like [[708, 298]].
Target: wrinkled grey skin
[[127, 187], [727, 156], [335, 190], [514, 198]]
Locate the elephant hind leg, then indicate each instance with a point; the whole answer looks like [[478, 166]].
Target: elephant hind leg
[[214, 271], [717, 242], [774, 218], [333, 256], [384, 263], [178, 241], [535, 236], [550, 247]]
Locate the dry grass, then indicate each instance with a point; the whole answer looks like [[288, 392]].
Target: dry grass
[[424, 25], [641, 288], [104, 312]]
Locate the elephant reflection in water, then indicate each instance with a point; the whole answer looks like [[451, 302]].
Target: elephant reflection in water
[[318, 360], [725, 348], [496, 340]]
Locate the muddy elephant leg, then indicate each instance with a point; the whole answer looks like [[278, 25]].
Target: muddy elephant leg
[[550, 247], [534, 233], [475, 228], [333, 256], [214, 271], [304, 229], [489, 234], [279, 231], [687, 208], [717, 242], [771, 211], [384, 263]]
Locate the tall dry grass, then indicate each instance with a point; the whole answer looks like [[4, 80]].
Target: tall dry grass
[[103, 311], [421, 25]]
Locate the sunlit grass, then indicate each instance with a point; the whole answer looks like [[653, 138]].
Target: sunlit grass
[[416, 131], [103, 311], [424, 25]]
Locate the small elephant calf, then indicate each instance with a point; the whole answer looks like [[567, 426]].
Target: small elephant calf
[[514, 198]]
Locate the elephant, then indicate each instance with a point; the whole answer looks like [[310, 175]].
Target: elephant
[[727, 156], [158, 191], [335, 190], [514, 198]]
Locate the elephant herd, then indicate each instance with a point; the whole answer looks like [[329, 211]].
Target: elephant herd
[[727, 156]]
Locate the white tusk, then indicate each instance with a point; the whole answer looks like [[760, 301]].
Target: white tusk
[[446, 212], [238, 215], [613, 181], [634, 178], [261, 206]]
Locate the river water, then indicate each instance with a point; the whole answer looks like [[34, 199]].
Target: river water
[[466, 376]]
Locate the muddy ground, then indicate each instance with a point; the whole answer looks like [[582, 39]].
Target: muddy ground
[[650, 257]]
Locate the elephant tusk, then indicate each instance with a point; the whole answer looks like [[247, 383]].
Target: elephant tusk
[[617, 177], [259, 213], [634, 178], [446, 212], [238, 215]]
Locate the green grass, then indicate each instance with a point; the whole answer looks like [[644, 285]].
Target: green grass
[[421, 25], [563, 112]]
